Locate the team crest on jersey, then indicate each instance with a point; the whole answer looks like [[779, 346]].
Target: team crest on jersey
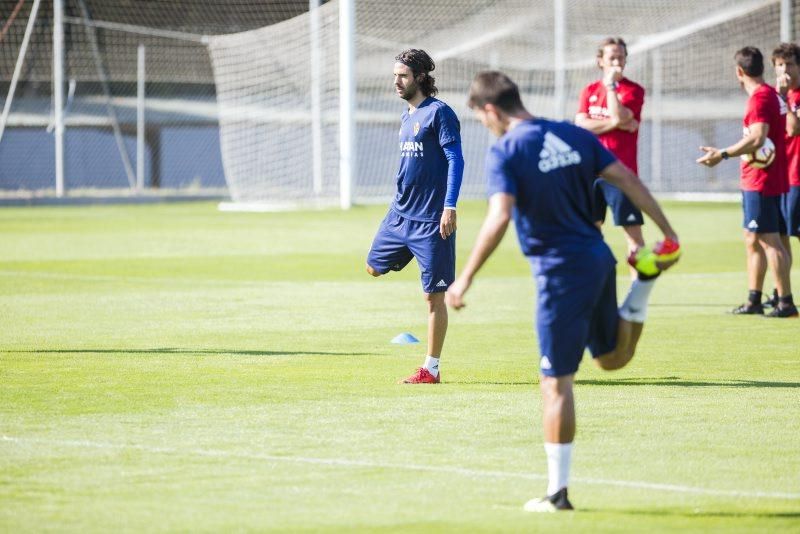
[[556, 154], [593, 98], [416, 128]]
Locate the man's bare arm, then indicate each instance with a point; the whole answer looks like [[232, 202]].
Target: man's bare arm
[[619, 175]]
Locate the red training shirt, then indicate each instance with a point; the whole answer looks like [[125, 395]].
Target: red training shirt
[[593, 102], [793, 141], [765, 105]]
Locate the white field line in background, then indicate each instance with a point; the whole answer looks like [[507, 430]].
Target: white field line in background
[[361, 464], [139, 279], [215, 282]]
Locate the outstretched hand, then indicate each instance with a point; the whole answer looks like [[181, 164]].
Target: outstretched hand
[[711, 157]]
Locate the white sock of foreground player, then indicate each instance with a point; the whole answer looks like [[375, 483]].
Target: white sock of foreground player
[[634, 308], [432, 365], [559, 458]]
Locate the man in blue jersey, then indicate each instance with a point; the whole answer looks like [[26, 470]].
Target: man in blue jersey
[[421, 222], [541, 173]]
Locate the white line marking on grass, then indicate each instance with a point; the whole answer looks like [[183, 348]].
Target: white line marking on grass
[[343, 462], [48, 275]]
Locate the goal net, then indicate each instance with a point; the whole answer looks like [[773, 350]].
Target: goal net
[[277, 86], [102, 45]]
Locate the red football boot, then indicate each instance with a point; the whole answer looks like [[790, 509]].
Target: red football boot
[[422, 376]]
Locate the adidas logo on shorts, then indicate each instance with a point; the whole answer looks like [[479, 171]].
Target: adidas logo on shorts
[[544, 363], [752, 224], [441, 283]]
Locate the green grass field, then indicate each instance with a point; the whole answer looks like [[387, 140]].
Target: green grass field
[[174, 368]]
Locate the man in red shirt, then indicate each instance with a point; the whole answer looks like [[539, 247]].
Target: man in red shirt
[[786, 60], [762, 189], [611, 109]]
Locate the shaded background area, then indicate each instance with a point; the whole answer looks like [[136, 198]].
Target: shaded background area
[[182, 125], [229, 87]]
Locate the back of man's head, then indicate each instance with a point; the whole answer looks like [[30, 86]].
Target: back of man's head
[[750, 60], [494, 87]]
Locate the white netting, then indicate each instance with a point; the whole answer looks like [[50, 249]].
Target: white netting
[[256, 106], [265, 109], [101, 42], [681, 51]]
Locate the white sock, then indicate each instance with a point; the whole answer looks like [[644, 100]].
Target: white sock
[[634, 308], [432, 365], [559, 458]]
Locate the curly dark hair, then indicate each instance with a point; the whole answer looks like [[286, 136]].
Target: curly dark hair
[[421, 65], [786, 51]]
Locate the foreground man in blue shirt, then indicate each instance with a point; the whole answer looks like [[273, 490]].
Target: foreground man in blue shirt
[[421, 222], [542, 173]]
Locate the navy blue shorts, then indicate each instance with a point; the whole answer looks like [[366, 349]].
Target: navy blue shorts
[[607, 195], [576, 308], [791, 211], [762, 215], [399, 239]]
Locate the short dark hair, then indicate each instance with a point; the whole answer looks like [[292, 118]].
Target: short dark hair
[[786, 51], [494, 87], [421, 65], [750, 60], [611, 41]]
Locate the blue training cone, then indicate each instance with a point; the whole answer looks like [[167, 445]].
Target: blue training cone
[[404, 339]]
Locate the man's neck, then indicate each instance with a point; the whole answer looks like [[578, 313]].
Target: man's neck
[[751, 84], [414, 102], [518, 118]]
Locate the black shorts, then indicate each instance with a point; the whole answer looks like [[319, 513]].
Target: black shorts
[[625, 213], [762, 215]]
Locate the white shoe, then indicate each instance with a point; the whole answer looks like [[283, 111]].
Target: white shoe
[[556, 502]]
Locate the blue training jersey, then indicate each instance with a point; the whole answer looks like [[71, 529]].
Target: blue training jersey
[[550, 167], [422, 177]]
